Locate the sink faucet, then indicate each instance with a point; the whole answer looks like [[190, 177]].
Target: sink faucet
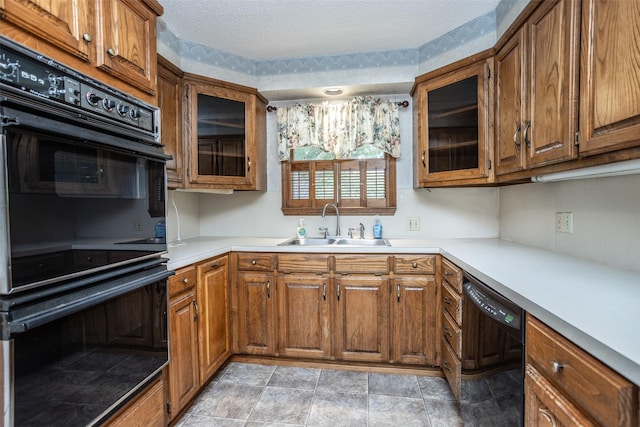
[[324, 210]]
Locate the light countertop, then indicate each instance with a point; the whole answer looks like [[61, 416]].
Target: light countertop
[[595, 306]]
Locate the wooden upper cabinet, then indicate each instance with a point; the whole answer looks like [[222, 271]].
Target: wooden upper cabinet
[[127, 41], [536, 89], [609, 83], [113, 41], [68, 24], [452, 124], [170, 103], [224, 134]]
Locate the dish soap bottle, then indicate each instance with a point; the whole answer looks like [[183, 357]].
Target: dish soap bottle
[[377, 228], [301, 232]]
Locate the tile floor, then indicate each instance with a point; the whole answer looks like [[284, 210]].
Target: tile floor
[[253, 395]]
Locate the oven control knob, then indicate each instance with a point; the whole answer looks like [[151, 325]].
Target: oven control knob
[[108, 104], [122, 109], [93, 98], [134, 114]]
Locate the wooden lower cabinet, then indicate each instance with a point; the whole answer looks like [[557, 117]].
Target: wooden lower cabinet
[[565, 386], [256, 313], [183, 378], [362, 318], [214, 319], [147, 410], [414, 336], [304, 315]]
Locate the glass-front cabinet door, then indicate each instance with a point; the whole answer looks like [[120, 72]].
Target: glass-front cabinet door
[[452, 117], [225, 133]]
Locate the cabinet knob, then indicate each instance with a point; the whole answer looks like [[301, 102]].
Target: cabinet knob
[[185, 280], [111, 52], [556, 367], [87, 37], [253, 262], [414, 264]]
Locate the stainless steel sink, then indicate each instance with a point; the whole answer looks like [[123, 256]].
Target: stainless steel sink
[[363, 242], [311, 241], [340, 241]]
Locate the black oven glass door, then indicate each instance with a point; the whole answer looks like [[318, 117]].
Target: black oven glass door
[[76, 207], [77, 368]]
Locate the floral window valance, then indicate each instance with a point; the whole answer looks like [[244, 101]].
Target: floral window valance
[[340, 128]]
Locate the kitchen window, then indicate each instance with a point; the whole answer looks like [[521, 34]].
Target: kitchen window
[[340, 153], [360, 186]]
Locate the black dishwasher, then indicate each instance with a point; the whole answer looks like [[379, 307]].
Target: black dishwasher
[[492, 382]]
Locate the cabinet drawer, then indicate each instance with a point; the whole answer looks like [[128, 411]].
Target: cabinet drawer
[[303, 263], [452, 274], [415, 264], [255, 262], [183, 280], [452, 303], [451, 368], [370, 264], [452, 333], [593, 386]]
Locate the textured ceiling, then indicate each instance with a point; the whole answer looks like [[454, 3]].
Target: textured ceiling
[[263, 30]]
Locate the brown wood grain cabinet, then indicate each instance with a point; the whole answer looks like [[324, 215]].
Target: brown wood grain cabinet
[[536, 89], [362, 318], [256, 303], [183, 373], [305, 312], [111, 40], [566, 386], [609, 84], [224, 135], [214, 319], [453, 124], [414, 338], [170, 103], [146, 410]]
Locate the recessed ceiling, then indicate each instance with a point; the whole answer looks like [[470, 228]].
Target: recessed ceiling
[[264, 30]]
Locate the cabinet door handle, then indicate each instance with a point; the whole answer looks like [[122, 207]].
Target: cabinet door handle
[[111, 52], [515, 137], [338, 291], [398, 291], [447, 332], [268, 288], [248, 163], [424, 162], [197, 313], [215, 265], [524, 133], [447, 300], [446, 366], [324, 291], [556, 366]]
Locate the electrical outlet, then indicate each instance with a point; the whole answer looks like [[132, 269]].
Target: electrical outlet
[[564, 222], [413, 223], [137, 225]]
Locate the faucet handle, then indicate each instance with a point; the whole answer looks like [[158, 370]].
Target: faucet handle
[[361, 230], [325, 231], [351, 230]]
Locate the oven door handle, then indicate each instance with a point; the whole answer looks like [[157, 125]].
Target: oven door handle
[[31, 316]]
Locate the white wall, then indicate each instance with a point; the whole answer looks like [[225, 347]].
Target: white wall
[[606, 218]]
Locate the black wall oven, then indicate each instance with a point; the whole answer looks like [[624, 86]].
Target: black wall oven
[[82, 279]]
